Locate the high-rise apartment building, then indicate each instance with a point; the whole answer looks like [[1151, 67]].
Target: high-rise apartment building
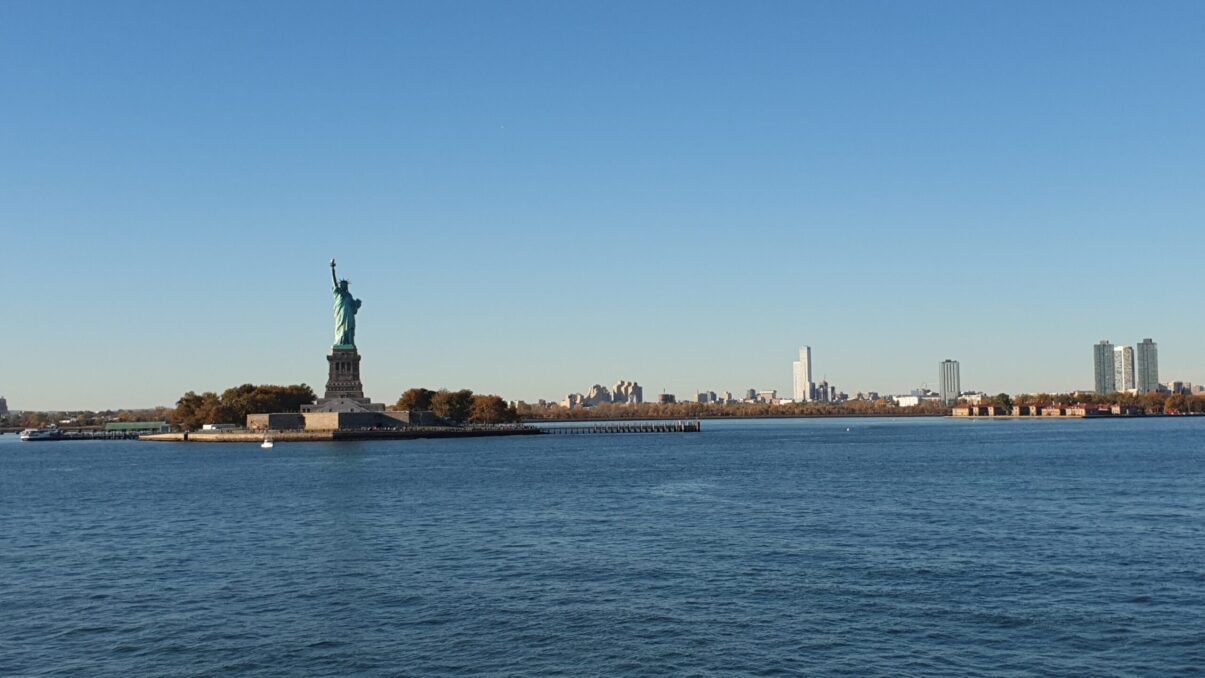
[[802, 386], [1102, 363], [948, 380], [1146, 377], [1123, 368]]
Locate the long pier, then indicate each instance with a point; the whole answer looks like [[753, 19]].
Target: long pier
[[624, 427]]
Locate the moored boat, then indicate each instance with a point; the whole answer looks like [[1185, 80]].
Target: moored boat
[[52, 433]]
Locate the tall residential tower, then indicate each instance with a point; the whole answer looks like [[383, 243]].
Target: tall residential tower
[[947, 378], [1102, 363], [802, 386], [1123, 368], [1146, 377]]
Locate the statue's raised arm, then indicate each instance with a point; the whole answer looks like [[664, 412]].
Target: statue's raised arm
[[334, 278]]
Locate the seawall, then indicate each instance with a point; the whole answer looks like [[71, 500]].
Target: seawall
[[318, 436]]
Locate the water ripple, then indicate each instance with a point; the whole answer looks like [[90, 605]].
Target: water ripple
[[927, 548]]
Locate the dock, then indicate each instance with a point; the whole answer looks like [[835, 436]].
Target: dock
[[618, 427], [90, 435]]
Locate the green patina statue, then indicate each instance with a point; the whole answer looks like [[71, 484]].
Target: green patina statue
[[345, 312]]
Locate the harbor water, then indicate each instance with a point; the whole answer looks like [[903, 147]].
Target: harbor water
[[858, 547]]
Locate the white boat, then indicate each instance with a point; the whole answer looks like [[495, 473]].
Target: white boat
[[52, 433], [267, 444]]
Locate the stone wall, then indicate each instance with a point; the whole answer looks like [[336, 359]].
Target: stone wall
[[337, 421], [276, 421], [414, 417]]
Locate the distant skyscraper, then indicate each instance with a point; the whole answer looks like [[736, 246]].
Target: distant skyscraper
[[948, 381], [802, 382], [1102, 363], [1147, 374], [1123, 368]]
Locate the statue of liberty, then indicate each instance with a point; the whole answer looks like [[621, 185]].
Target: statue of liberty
[[345, 312]]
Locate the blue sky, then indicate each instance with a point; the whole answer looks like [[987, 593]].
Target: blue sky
[[534, 197]]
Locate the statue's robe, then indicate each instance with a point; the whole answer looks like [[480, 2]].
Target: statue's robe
[[345, 318]]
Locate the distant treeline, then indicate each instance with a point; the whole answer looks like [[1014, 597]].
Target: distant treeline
[[81, 417], [1152, 402], [695, 410]]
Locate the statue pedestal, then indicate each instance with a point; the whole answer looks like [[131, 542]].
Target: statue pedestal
[[344, 391], [343, 374]]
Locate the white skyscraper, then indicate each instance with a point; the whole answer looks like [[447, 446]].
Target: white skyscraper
[[1147, 374], [802, 386], [948, 380], [1123, 368]]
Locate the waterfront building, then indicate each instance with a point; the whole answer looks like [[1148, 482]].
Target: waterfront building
[[802, 375], [948, 380], [666, 399], [3, 405], [1102, 364], [1123, 368], [1147, 375], [751, 394]]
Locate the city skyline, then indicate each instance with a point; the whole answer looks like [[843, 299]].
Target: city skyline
[[1107, 365], [598, 201]]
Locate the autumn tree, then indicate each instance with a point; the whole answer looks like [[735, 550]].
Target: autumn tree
[[415, 399], [491, 409], [1176, 404], [452, 405]]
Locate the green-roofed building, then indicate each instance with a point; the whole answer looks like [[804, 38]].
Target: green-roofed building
[[138, 426]]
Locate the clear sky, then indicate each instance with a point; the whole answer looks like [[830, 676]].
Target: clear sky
[[534, 197]]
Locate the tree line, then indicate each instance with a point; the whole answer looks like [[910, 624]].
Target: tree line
[[1151, 402], [234, 404], [73, 418], [461, 406]]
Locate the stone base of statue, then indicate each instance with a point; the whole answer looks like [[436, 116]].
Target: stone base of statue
[[344, 390]]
